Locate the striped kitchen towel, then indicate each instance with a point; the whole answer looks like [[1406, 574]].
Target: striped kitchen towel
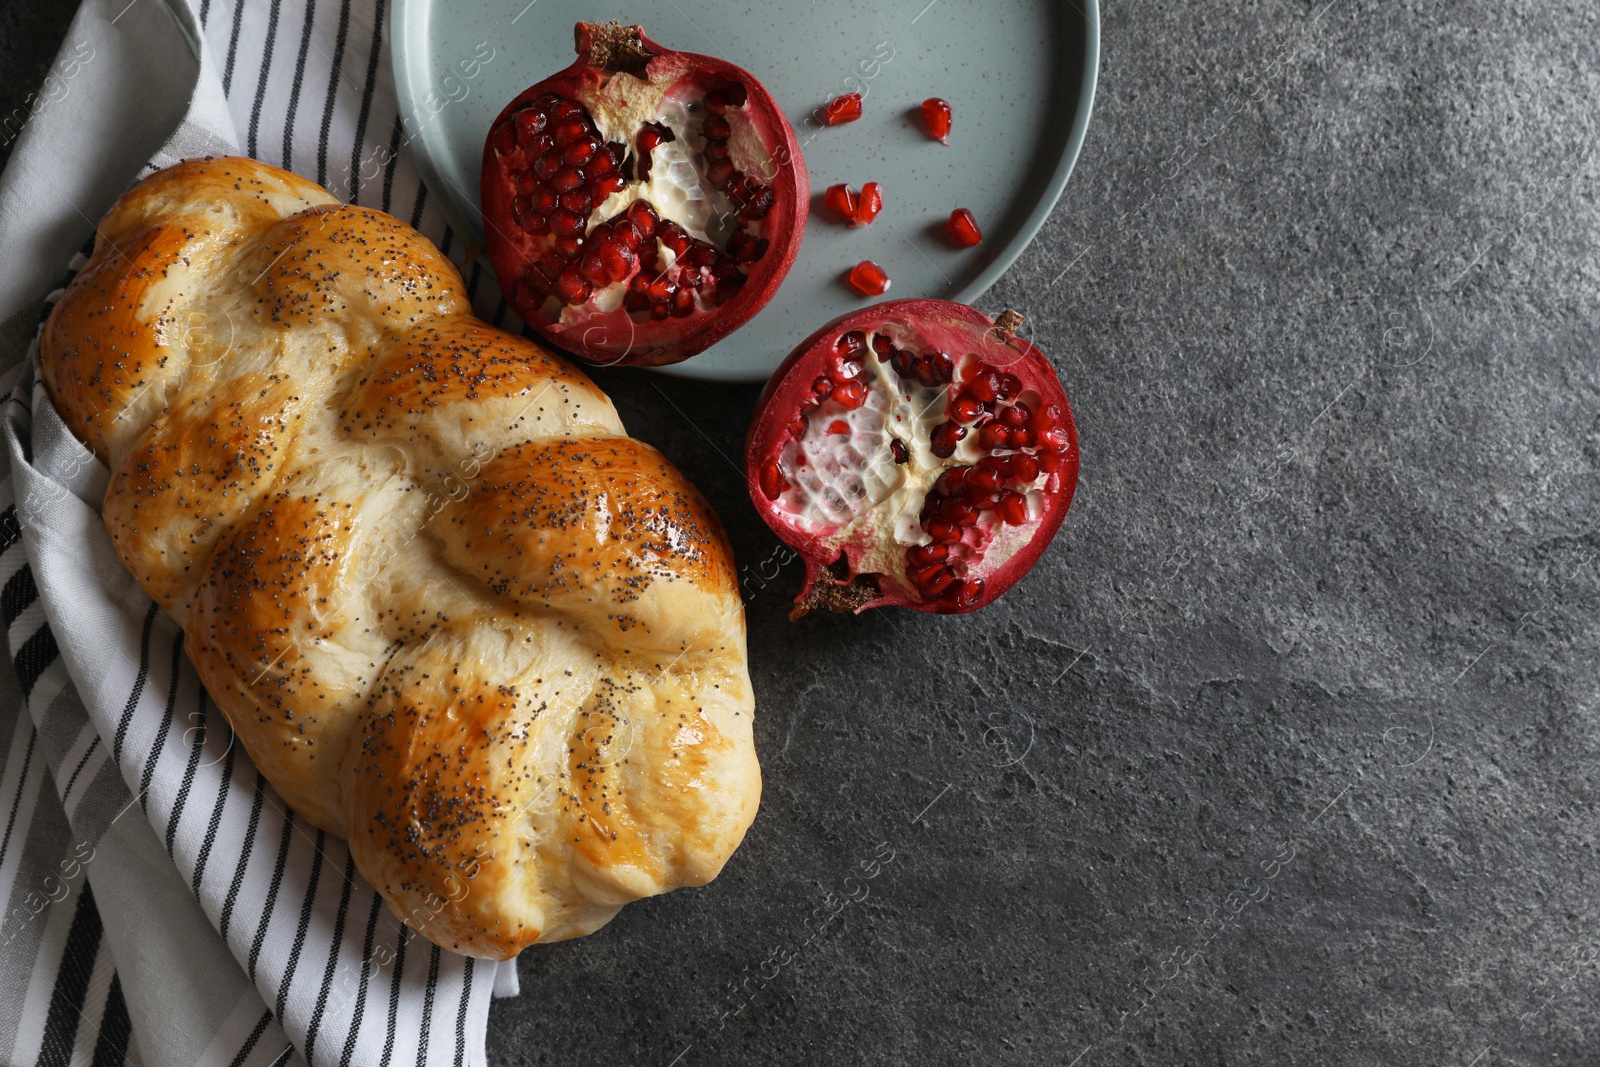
[[159, 904]]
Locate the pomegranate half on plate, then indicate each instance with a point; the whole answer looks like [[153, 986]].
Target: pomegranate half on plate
[[643, 203], [915, 453]]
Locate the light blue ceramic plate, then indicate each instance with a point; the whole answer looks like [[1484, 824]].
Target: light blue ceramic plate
[[1019, 75]]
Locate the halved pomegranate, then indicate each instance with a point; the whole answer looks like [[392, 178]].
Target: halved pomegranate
[[915, 453], [643, 203]]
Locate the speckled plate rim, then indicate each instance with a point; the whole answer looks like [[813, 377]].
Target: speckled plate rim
[[402, 27]]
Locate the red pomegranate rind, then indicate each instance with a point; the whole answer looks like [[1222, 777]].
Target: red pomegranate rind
[[643, 203], [915, 453]]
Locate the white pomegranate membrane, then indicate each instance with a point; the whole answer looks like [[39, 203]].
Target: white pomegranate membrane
[[640, 198], [916, 461]]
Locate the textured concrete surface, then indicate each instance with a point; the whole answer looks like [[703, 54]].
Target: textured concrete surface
[[1286, 752]]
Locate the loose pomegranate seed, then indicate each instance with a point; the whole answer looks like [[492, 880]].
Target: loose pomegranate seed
[[868, 205], [897, 448], [858, 209], [936, 113], [963, 228], [841, 201], [869, 278], [842, 109], [839, 426]]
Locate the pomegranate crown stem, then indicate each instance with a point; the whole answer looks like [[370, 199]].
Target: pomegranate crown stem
[[613, 48]]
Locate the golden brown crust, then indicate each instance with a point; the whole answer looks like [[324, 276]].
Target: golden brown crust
[[451, 611]]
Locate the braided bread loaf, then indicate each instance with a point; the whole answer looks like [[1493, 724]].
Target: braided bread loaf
[[452, 612]]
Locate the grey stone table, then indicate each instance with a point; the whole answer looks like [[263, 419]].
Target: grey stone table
[[1287, 751]]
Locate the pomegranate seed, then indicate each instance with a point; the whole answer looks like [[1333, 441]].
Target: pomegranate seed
[[1013, 509], [922, 574], [643, 217], [578, 153], [954, 480], [567, 132], [547, 165], [839, 426], [841, 201], [869, 278], [505, 138], [617, 257], [747, 247], [732, 94], [957, 511], [967, 594], [945, 437], [682, 303], [759, 203], [566, 223], [1045, 418], [1010, 386], [850, 394], [1053, 440], [1024, 468], [983, 480], [653, 135], [571, 287], [941, 581], [936, 113], [529, 122], [842, 109], [984, 386], [868, 204], [773, 483], [920, 555], [1015, 415], [567, 181], [943, 532], [897, 448], [935, 369], [611, 183], [965, 409], [1050, 462], [577, 202], [852, 347], [593, 268], [963, 228], [992, 435]]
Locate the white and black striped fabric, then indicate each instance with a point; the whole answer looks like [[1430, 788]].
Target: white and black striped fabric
[[159, 904]]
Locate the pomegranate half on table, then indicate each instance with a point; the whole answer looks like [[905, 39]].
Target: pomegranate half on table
[[643, 203], [915, 453]]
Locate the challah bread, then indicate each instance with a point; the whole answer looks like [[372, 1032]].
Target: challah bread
[[451, 610]]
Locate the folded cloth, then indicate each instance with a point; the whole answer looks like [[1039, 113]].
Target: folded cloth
[[159, 904]]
